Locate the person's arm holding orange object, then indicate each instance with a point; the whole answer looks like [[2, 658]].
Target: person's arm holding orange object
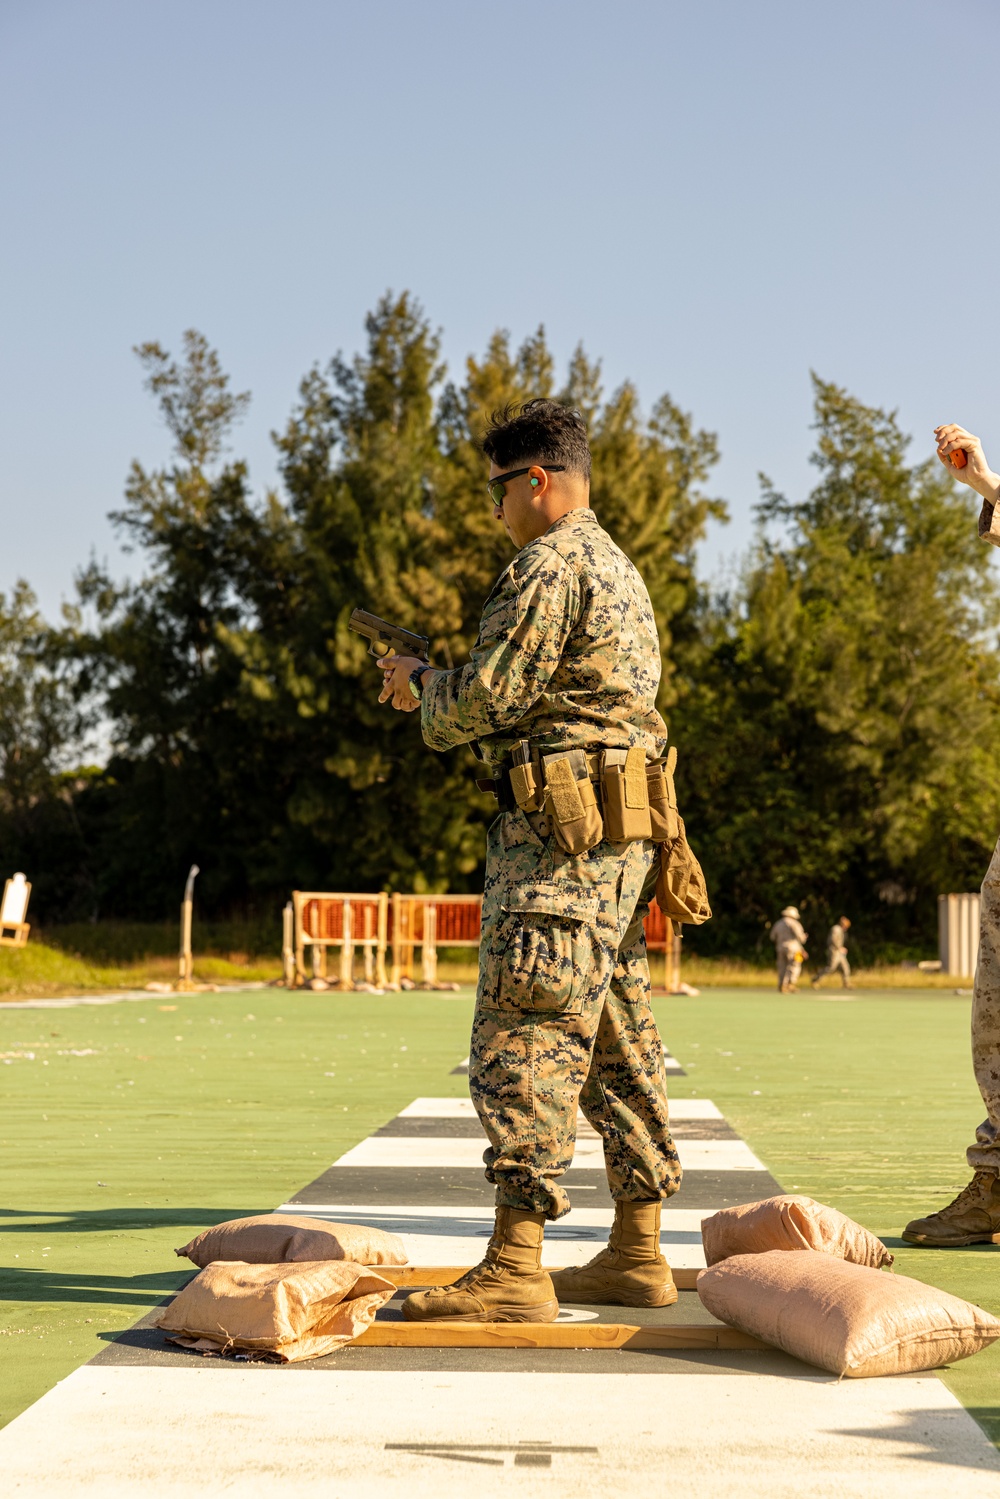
[[971, 469]]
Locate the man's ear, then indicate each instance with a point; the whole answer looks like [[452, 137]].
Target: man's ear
[[539, 481]]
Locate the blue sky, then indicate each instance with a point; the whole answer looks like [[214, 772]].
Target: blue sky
[[714, 198]]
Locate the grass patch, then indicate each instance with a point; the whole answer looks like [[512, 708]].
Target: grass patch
[[119, 943], [43, 968]]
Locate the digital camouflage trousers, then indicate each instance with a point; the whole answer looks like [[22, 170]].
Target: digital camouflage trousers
[[563, 1019], [985, 1154]]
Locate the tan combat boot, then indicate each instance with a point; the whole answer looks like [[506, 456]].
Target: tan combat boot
[[631, 1271], [973, 1218], [509, 1285]]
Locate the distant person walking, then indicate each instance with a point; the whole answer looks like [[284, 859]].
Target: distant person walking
[[974, 1216], [836, 954], [789, 949]]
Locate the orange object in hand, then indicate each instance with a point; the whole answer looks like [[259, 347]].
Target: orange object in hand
[[959, 458]]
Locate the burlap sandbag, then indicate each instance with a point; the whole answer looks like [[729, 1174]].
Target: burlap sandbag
[[847, 1318], [273, 1238], [282, 1312], [789, 1222]]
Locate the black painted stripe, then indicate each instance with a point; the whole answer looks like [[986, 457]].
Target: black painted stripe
[[452, 1188], [423, 1128]]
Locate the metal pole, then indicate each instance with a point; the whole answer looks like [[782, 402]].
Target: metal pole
[[187, 959], [287, 945]]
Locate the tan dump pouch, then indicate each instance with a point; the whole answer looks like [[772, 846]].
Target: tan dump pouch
[[571, 803], [626, 797], [524, 785], [680, 885]]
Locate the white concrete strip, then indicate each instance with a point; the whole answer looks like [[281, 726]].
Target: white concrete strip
[[73, 999], [681, 1109], [163, 1433], [70, 1000], [434, 1237], [449, 1152], [439, 1108]]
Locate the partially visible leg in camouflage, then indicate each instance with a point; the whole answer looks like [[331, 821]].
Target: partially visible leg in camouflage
[[782, 968], [532, 1038], [544, 978], [974, 1216], [985, 1154], [625, 1095]]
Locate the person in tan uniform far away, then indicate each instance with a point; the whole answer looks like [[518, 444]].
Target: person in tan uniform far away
[[789, 948], [836, 954], [974, 1216]]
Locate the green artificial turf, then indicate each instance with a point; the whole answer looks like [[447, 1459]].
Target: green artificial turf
[[125, 1129], [217, 1105]]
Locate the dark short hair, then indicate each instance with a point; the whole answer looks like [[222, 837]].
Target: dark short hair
[[538, 431]]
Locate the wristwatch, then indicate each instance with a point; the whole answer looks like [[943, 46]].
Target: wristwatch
[[416, 686]]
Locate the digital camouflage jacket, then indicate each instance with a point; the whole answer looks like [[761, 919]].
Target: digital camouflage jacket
[[567, 653]]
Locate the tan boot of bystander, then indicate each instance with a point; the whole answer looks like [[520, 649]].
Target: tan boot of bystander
[[973, 1218]]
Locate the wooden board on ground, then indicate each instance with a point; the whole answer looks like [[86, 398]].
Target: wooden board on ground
[[553, 1335]]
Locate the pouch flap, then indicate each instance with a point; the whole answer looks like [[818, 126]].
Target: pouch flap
[[635, 778], [554, 900], [563, 790]]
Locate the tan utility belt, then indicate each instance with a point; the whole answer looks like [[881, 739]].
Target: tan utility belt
[[589, 795], [617, 794]]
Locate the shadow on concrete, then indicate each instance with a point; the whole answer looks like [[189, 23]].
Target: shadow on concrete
[[939, 1436]]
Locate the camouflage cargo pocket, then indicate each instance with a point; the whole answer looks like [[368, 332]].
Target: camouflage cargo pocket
[[541, 962]]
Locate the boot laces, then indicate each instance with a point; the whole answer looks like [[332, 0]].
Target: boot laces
[[973, 1192], [473, 1274]]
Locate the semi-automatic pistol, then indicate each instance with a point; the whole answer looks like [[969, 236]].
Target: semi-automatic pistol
[[383, 637]]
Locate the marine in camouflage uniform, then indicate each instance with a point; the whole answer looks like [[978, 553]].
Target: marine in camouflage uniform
[[567, 656], [974, 1215]]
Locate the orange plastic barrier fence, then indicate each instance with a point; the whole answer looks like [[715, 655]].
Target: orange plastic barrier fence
[[320, 920], [425, 921]]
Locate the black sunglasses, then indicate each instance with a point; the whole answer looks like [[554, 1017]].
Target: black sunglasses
[[496, 490]]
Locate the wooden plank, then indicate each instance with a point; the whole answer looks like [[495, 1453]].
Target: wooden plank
[[444, 1275], [553, 1335]]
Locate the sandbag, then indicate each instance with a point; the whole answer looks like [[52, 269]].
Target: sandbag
[[789, 1222], [847, 1318], [280, 1312], [273, 1238]]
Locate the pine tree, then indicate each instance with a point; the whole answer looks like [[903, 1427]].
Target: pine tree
[[842, 731], [248, 732]]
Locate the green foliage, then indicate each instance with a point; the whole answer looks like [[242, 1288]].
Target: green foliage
[[248, 736], [837, 713], [842, 724]]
